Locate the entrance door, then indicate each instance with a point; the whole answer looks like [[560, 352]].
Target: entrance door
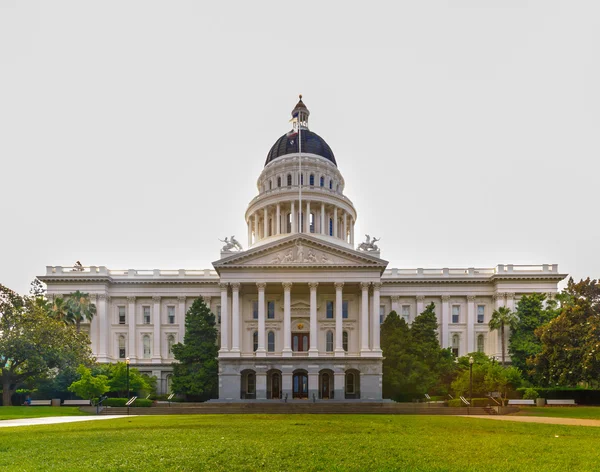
[[325, 383], [300, 389], [300, 342], [275, 388]]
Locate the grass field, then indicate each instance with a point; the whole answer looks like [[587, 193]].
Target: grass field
[[586, 412], [300, 442], [14, 412]]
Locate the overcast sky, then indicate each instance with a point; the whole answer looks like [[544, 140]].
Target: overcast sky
[[132, 133]]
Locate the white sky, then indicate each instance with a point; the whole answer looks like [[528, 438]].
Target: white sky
[[132, 132]]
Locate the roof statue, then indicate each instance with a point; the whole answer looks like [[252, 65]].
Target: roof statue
[[369, 244], [231, 244], [77, 267]]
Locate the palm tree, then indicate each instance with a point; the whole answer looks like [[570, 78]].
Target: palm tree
[[60, 310], [80, 308], [501, 318]]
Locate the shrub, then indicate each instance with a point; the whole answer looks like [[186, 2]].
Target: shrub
[[530, 394], [140, 402]]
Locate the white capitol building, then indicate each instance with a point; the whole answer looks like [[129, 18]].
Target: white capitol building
[[299, 310]]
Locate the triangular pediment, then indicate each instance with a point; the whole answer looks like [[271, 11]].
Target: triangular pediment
[[300, 251]]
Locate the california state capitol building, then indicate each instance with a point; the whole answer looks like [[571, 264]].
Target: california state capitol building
[[299, 311]]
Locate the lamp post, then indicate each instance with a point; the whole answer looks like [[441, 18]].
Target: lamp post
[[471, 361], [127, 362]]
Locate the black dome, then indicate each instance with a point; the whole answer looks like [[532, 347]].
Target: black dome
[[311, 143]]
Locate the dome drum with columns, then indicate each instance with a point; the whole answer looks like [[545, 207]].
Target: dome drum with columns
[[299, 311]]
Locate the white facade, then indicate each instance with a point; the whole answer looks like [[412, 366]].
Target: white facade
[[299, 310]]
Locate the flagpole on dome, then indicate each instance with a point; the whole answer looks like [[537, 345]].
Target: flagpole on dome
[[301, 222]]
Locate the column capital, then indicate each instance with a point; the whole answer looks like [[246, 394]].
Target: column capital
[[498, 296], [365, 285], [313, 285], [261, 286], [206, 300], [235, 286], [223, 286], [420, 298], [510, 296], [395, 298], [471, 298], [445, 298], [108, 298], [181, 298], [376, 285], [131, 299], [102, 296], [93, 297], [339, 285], [156, 299], [287, 286]]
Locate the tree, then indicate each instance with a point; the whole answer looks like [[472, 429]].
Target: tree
[[570, 351], [502, 380], [502, 318], [532, 312], [33, 344], [89, 386], [60, 311], [395, 337], [117, 379], [80, 308], [196, 374]]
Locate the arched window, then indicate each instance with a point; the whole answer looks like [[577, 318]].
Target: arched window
[[270, 185], [289, 180], [330, 226], [301, 179], [345, 340], [330, 184], [255, 341], [329, 341], [250, 383], [455, 344], [271, 341], [122, 351], [322, 181], [146, 343], [170, 342], [169, 381], [480, 343], [350, 382], [278, 181], [311, 180]]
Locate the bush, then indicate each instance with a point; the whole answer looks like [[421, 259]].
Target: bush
[[530, 394], [140, 402], [582, 396]]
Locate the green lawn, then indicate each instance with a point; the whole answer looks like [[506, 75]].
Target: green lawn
[[300, 442], [14, 412], [586, 412]]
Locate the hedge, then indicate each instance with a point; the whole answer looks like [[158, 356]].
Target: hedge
[[456, 402], [122, 402], [582, 396]]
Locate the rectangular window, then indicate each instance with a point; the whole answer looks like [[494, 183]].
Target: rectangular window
[[480, 313], [329, 309], [255, 309], [219, 314], [271, 310], [345, 309], [381, 314], [121, 315], [121, 353], [171, 314], [455, 313], [406, 312], [146, 315]]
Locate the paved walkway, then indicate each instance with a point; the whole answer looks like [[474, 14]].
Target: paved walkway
[[54, 420], [540, 419]]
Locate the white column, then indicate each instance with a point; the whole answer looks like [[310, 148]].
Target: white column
[[510, 301], [131, 322], [345, 227], [265, 222], [323, 227], [181, 316], [313, 350], [364, 318], [375, 327], [156, 355], [235, 317], [103, 316], [339, 347], [225, 317], [249, 233], [396, 305], [287, 319], [420, 305], [470, 323], [293, 216], [278, 224], [445, 321], [307, 218], [499, 299], [335, 222], [261, 351], [255, 240], [352, 233]]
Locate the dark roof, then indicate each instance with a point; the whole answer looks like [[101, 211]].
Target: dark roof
[[311, 143]]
